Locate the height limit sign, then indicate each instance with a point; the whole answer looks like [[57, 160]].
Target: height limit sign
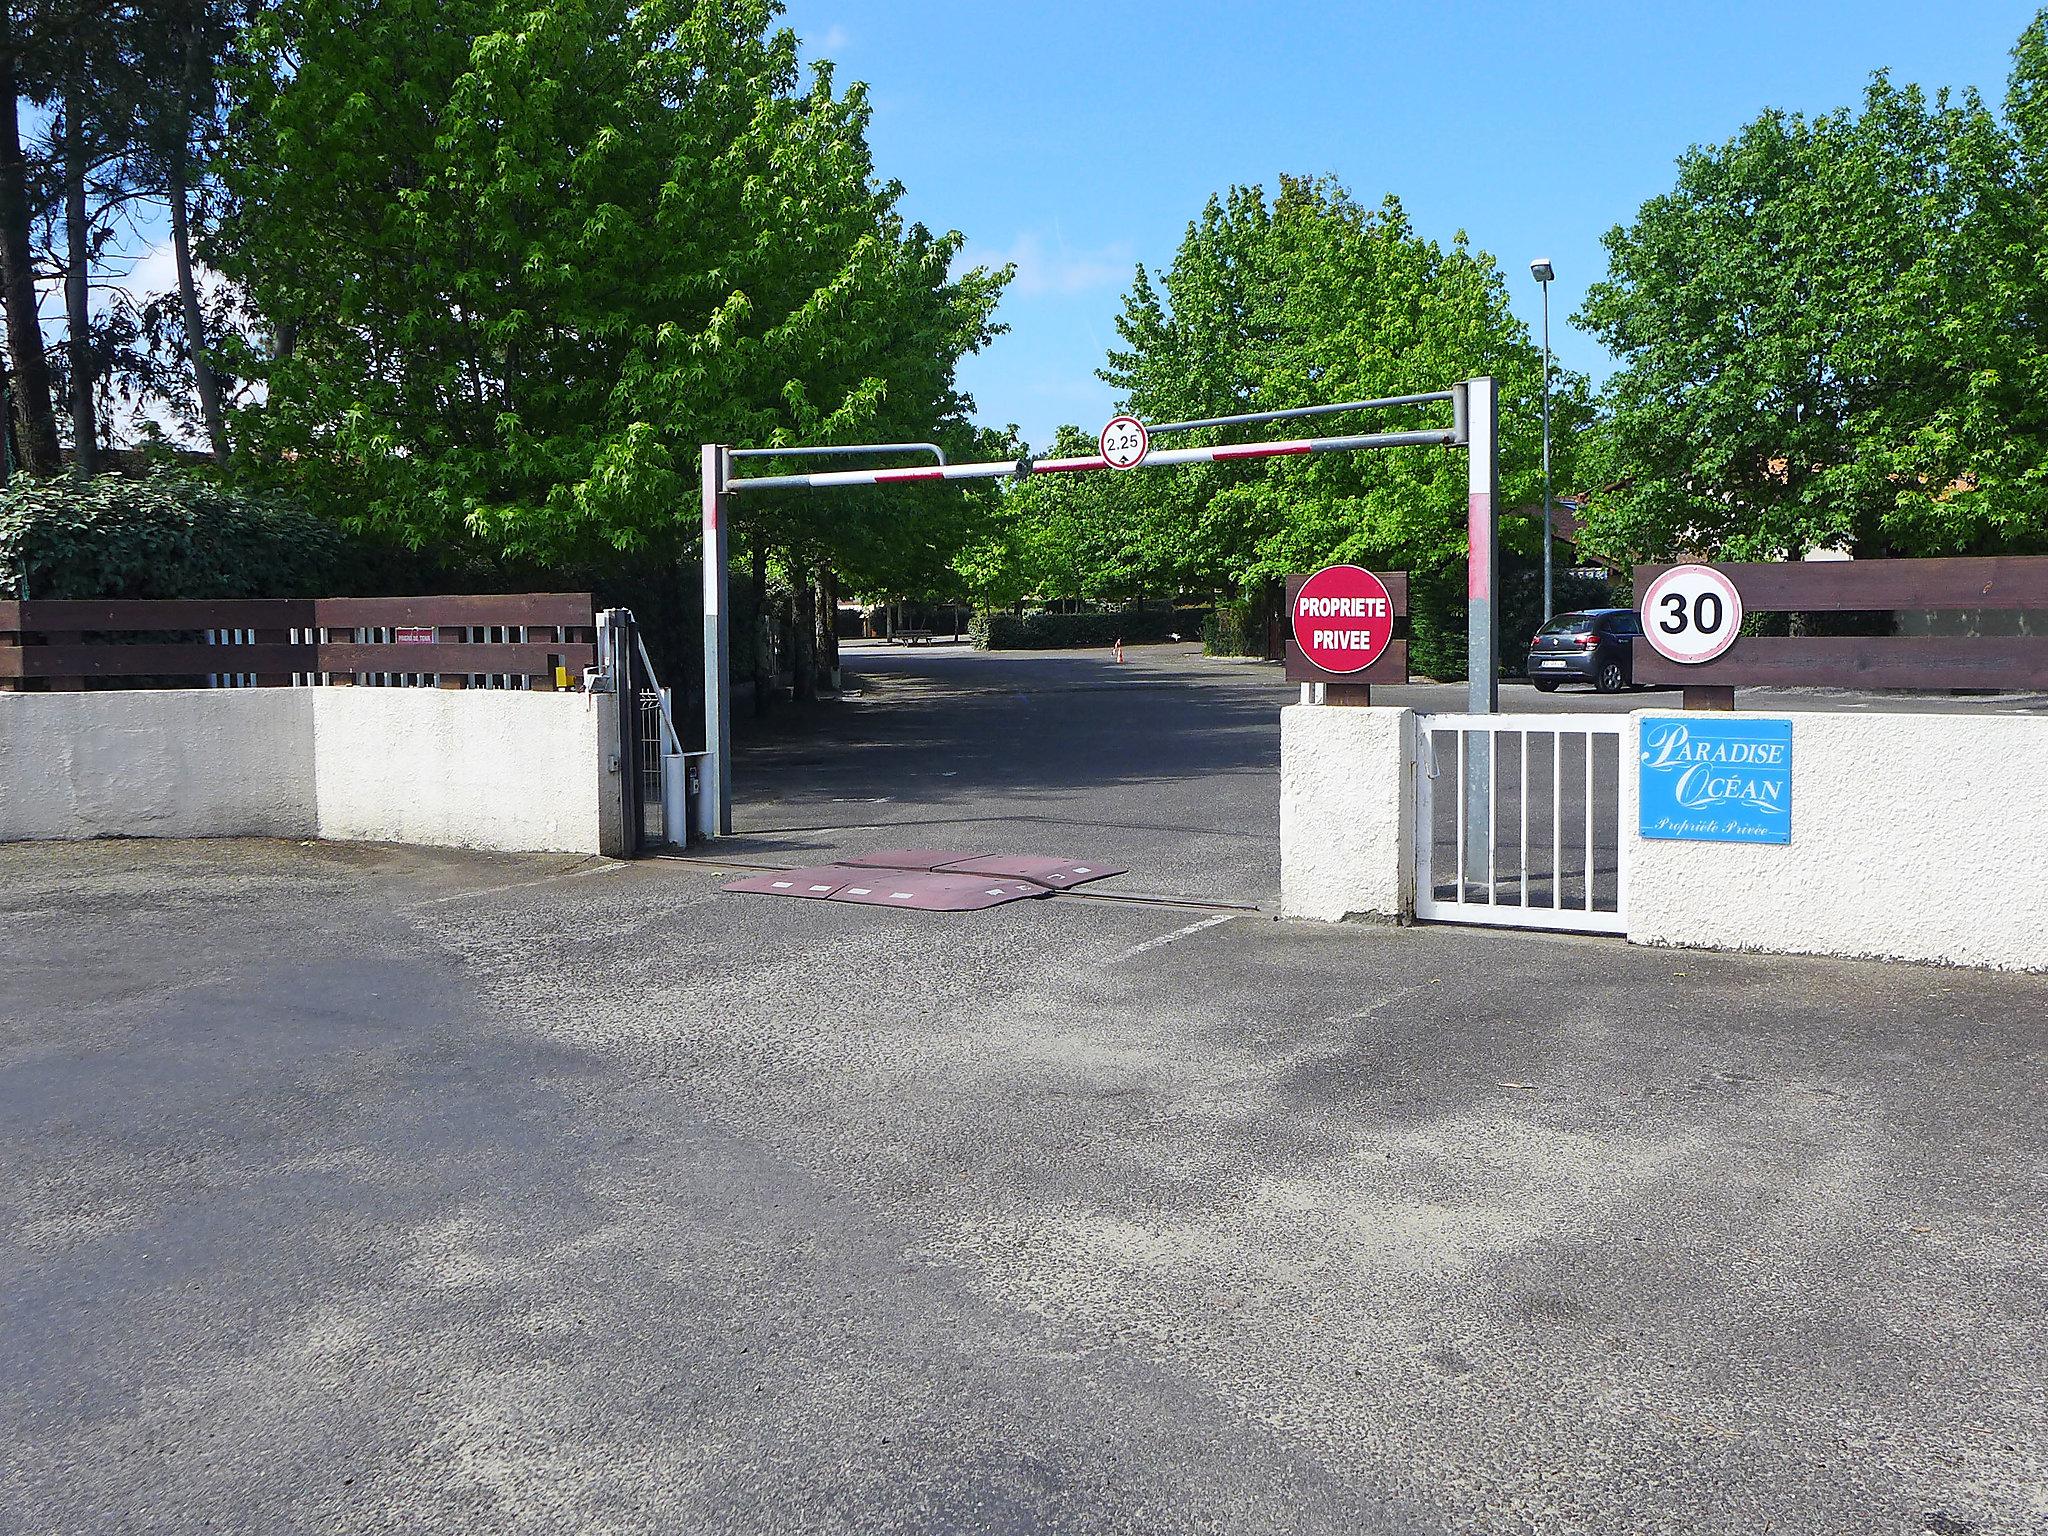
[[1342, 619], [1124, 442]]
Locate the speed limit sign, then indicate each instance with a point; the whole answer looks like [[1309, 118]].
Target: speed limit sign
[[1692, 613], [1125, 442]]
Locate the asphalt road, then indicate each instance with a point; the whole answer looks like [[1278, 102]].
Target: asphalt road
[[349, 1189], [1167, 763]]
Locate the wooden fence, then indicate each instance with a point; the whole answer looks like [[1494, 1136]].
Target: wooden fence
[[1997, 662], [504, 640]]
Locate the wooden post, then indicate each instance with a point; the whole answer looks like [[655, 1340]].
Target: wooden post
[[1717, 699], [64, 684], [450, 634], [272, 637], [1355, 695]]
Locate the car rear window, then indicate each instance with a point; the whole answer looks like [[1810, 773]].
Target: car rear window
[[1569, 624]]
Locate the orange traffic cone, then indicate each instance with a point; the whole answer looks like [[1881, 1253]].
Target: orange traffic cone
[[1119, 648]]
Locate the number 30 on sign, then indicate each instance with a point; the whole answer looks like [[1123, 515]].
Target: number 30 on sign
[[1692, 613]]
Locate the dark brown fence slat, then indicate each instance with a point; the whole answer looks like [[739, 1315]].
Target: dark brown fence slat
[[101, 615], [550, 608], [1390, 666], [52, 641], [1858, 661], [1847, 586], [531, 658], [176, 660]]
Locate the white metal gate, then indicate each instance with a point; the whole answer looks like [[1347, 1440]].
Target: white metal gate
[[1519, 820]]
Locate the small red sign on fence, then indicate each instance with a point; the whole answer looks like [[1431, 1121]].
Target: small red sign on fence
[[415, 634]]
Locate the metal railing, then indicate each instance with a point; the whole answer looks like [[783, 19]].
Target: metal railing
[[1519, 821]]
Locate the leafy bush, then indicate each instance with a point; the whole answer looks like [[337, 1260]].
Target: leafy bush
[[1070, 631], [1235, 629], [165, 534]]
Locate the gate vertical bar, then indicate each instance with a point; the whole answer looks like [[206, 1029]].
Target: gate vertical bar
[[1475, 403], [1556, 819], [1589, 821], [714, 785], [1464, 783], [1525, 819], [1492, 739]]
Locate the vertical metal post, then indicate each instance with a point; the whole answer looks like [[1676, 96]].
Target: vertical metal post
[[615, 656], [1548, 601], [1475, 403], [714, 792], [1482, 584]]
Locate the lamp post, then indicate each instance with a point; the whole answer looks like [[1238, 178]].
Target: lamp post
[[1543, 272]]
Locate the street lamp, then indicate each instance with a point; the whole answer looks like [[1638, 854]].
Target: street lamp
[[1543, 272]]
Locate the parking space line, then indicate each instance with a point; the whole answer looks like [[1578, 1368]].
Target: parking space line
[[520, 885], [1167, 938]]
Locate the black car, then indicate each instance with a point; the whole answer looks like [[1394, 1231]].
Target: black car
[[1594, 646]]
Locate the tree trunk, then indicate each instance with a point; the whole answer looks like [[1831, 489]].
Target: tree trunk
[[203, 381], [828, 628], [85, 439], [804, 657], [764, 631], [31, 370]]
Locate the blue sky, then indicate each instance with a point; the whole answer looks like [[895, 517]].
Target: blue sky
[[1079, 139]]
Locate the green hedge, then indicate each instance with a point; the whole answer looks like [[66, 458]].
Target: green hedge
[[1235, 629], [1073, 631], [166, 534]]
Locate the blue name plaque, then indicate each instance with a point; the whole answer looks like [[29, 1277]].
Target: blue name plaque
[[1716, 781]]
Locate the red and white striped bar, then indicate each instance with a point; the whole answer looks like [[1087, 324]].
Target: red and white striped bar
[[1435, 437]]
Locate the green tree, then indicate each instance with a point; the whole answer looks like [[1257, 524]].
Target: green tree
[[28, 380], [519, 260], [1825, 341], [1300, 299]]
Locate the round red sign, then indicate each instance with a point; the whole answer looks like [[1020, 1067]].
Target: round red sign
[[1342, 618]]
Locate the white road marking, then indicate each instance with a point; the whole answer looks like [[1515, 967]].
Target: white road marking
[[1167, 938], [519, 885]]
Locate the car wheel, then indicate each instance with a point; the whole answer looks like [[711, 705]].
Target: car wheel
[[1612, 678], [1546, 687]]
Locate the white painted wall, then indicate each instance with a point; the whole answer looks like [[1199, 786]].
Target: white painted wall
[[1914, 837], [157, 763], [460, 768], [475, 768], [1347, 809]]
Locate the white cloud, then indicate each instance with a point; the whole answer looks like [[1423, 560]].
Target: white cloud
[[153, 270], [141, 276], [835, 38], [1055, 269]]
